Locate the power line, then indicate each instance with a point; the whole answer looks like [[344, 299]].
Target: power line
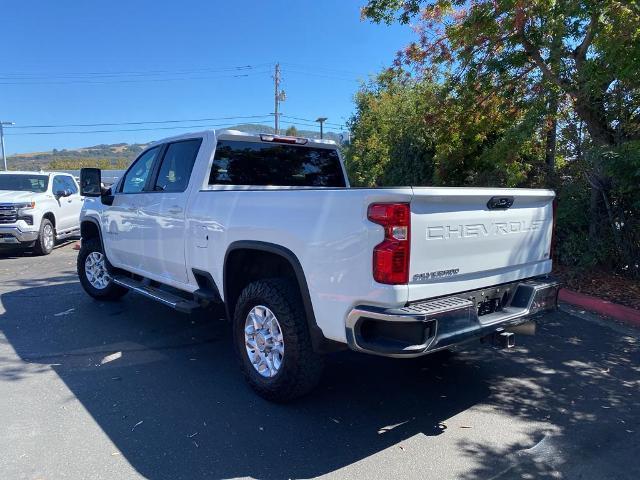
[[309, 120], [240, 117], [137, 80], [133, 73], [122, 130], [147, 129]]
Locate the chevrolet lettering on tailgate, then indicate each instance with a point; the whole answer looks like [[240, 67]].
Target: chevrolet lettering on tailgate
[[474, 230]]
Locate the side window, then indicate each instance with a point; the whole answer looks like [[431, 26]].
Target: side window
[[176, 166], [58, 184], [136, 178], [70, 184]]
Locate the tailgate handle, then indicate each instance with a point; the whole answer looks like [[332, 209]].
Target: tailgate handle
[[499, 203]]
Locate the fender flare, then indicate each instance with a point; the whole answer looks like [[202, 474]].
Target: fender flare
[[319, 342], [97, 224]]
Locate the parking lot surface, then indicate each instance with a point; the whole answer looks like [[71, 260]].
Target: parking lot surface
[[131, 389]]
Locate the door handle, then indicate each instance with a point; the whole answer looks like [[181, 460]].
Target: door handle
[[175, 210]]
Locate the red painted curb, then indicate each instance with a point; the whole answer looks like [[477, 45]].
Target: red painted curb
[[603, 307]]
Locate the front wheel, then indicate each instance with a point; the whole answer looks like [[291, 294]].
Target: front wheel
[[272, 341], [94, 272], [46, 238]]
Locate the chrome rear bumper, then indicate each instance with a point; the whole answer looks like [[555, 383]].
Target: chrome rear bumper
[[430, 325]]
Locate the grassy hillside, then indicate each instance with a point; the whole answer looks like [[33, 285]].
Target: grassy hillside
[[115, 156]]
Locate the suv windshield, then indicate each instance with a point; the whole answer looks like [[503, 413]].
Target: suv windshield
[[261, 164], [24, 183]]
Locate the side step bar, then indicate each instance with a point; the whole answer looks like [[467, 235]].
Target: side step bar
[[167, 298]]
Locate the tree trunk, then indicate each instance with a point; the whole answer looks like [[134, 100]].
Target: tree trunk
[[595, 120], [552, 126], [591, 112]]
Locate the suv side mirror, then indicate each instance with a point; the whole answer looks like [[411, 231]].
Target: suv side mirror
[[63, 193], [90, 182]]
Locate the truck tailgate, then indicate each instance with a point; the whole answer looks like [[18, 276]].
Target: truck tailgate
[[460, 242]]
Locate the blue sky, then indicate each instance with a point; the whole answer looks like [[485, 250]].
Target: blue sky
[[79, 62]]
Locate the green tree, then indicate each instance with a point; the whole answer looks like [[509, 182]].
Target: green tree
[[78, 163], [292, 131], [583, 47], [418, 132]]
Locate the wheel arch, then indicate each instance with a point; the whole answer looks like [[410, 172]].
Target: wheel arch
[[237, 257], [51, 217], [90, 228]]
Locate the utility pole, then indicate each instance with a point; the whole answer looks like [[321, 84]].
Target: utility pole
[[321, 121], [4, 157], [279, 96]]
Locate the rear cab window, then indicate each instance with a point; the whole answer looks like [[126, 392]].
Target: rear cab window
[[256, 163]]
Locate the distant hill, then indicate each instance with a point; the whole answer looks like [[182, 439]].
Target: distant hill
[[118, 155]]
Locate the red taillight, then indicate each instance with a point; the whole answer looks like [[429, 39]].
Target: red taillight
[[553, 229], [391, 257]]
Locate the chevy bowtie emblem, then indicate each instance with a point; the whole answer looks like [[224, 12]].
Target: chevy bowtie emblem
[[499, 203]]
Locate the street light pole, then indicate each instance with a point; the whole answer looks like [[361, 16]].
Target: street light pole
[[4, 157], [321, 121]]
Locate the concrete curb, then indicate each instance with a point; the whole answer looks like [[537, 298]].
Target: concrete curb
[[627, 315]]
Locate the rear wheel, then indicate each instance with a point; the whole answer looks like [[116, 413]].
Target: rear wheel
[[94, 271], [272, 341], [46, 238]]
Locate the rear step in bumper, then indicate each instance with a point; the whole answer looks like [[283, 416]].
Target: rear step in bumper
[[427, 326]]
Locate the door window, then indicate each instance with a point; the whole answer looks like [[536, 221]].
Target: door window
[[70, 184], [136, 177], [58, 184], [176, 166]]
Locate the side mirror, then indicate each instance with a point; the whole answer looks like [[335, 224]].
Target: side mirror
[[90, 182], [63, 193]]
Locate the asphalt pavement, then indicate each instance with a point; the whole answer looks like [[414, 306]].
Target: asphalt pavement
[[132, 389]]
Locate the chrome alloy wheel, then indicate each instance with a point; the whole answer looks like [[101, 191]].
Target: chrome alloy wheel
[[264, 341], [47, 237], [96, 270]]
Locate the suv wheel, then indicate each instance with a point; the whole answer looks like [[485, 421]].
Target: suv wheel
[[46, 238], [272, 341], [94, 272]]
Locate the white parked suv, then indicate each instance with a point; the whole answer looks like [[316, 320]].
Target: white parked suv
[[303, 263], [37, 209]]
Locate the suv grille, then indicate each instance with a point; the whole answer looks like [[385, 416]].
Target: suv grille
[[8, 214]]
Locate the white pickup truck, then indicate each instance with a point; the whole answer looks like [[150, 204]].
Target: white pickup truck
[[38, 208], [303, 263]]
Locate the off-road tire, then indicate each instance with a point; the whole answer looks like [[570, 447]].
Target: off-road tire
[[112, 291], [301, 367], [40, 247]]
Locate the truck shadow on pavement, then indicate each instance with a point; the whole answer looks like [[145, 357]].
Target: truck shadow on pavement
[[166, 390]]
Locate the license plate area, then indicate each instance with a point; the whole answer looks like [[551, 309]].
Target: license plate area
[[8, 238], [491, 300], [488, 306]]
